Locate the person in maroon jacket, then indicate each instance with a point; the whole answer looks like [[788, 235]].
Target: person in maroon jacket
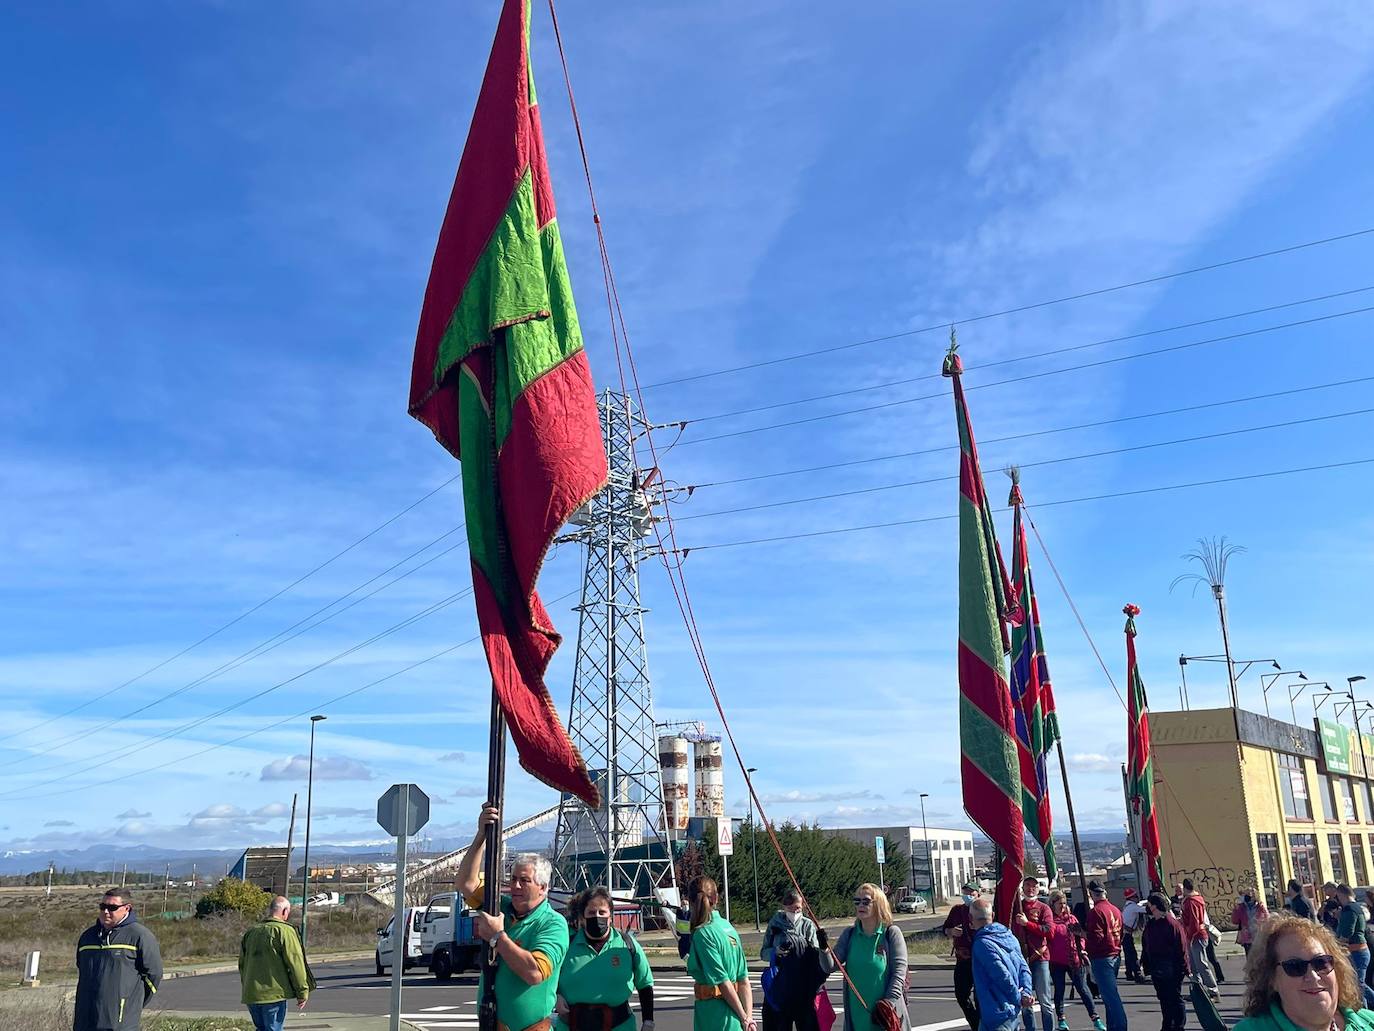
[[959, 931], [1033, 924], [1166, 951], [1102, 930], [1195, 931]]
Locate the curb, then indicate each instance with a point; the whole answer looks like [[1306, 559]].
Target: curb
[[337, 1021]]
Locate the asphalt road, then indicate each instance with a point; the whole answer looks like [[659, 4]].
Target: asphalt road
[[353, 988]]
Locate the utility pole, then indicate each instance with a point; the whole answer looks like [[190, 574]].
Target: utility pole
[[166, 883], [754, 844], [124, 877], [930, 869], [290, 836], [49, 878]]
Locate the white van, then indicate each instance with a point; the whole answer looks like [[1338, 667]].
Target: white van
[[413, 953]]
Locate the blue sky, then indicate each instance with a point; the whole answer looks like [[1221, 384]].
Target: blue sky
[[217, 228]]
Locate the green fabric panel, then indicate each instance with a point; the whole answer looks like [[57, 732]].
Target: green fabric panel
[[989, 748], [529, 64], [535, 347], [977, 613], [480, 496], [520, 276]]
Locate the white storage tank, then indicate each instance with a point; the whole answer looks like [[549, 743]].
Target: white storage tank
[[677, 788], [710, 794]]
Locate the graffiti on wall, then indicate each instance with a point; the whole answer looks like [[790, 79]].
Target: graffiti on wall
[[1220, 886]]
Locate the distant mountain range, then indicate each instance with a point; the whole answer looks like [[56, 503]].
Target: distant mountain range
[[214, 862]]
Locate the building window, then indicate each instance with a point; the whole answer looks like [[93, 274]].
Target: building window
[[1347, 800], [1329, 803], [1293, 781], [1303, 848], [1270, 886], [1337, 858], [1366, 799], [1357, 859]]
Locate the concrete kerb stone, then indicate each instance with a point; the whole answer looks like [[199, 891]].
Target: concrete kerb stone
[[336, 1021]]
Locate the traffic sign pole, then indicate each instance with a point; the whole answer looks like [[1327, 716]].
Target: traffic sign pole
[[398, 922], [402, 810]]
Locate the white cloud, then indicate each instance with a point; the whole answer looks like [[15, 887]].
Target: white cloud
[[336, 767], [59, 823], [133, 814], [1092, 762], [454, 757], [820, 796]]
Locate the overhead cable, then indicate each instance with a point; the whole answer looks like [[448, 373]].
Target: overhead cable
[[944, 324]]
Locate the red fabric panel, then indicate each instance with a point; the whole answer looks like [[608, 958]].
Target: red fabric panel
[[513, 653]]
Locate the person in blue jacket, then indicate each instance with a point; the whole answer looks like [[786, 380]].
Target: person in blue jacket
[[1001, 978]]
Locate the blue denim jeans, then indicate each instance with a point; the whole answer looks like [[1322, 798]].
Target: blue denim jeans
[[1104, 973], [268, 1016], [1359, 959], [1040, 984]]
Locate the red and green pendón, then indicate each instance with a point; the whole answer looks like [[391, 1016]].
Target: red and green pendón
[[1140, 786], [1037, 724], [501, 377], [990, 771]]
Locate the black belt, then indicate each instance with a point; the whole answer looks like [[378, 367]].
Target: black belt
[[595, 1017]]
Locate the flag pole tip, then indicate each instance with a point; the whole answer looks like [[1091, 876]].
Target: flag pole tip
[[1014, 498], [952, 366]]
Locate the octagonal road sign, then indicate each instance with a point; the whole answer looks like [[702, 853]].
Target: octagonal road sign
[[403, 809]]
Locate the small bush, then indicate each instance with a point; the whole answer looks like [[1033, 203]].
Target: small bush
[[232, 895]]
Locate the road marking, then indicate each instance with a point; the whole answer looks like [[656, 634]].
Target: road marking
[[439, 1009], [943, 1025]]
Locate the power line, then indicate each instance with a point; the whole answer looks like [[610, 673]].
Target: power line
[[1030, 357], [945, 323], [116, 756], [237, 619], [316, 707], [1043, 504], [1028, 376], [271, 644], [1036, 433], [1030, 465]]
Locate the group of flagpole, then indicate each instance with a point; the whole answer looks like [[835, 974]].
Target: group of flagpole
[[1025, 684]]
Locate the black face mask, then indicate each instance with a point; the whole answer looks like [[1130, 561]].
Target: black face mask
[[597, 927]]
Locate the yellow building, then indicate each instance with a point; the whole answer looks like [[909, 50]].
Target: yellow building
[[1246, 800]]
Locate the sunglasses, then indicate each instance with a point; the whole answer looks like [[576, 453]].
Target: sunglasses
[[1298, 967], [110, 907], [863, 902]]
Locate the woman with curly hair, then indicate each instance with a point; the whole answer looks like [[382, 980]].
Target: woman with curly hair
[[1299, 978]]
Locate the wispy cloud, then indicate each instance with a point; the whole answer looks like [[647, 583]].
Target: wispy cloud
[[334, 767]]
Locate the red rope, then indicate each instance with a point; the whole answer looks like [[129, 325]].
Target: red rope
[[676, 579]]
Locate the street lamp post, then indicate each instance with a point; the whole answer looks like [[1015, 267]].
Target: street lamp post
[[309, 792], [754, 845], [1274, 678], [925, 833], [1350, 683], [1232, 675]]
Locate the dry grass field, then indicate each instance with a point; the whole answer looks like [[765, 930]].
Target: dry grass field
[[50, 1014], [29, 920]]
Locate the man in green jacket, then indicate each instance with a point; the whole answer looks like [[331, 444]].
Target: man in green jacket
[[272, 968]]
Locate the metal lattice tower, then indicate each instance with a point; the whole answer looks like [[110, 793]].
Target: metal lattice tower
[[622, 844]]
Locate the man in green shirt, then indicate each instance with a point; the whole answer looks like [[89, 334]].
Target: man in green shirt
[[272, 968], [530, 938]]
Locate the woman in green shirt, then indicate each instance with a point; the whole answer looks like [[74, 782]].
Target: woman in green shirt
[[724, 999], [600, 972], [873, 953], [1299, 978]]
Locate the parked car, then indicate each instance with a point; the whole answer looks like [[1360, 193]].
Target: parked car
[[386, 941], [913, 904]]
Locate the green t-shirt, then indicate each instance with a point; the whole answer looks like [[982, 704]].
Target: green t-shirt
[[716, 957], [866, 964], [518, 1005], [607, 977]]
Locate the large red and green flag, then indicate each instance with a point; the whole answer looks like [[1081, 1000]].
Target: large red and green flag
[[501, 377], [989, 765], [1037, 724], [1140, 776]]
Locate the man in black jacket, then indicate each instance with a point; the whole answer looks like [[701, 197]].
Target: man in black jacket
[[118, 968]]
